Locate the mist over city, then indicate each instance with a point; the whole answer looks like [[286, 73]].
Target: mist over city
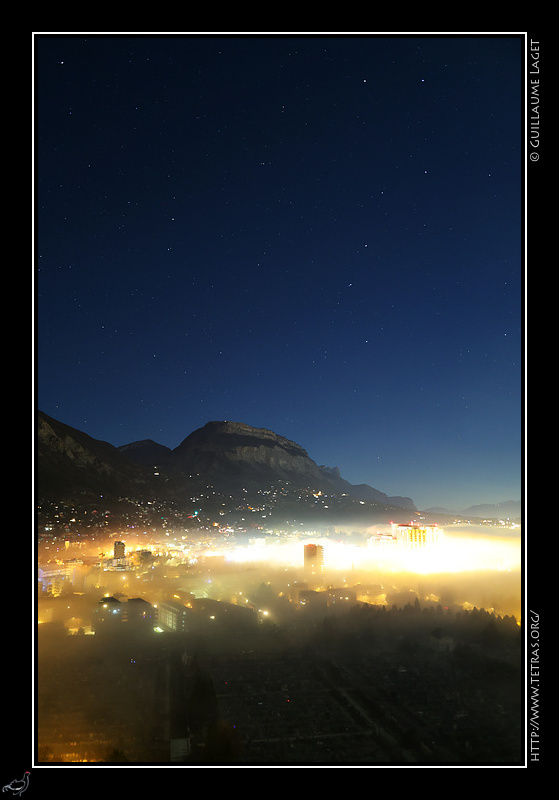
[[279, 648]]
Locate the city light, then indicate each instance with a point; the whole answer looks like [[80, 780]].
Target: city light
[[453, 553], [229, 584]]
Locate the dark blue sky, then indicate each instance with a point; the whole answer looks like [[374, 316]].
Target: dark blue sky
[[320, 235]]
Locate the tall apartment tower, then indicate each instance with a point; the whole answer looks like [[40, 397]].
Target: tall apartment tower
[[314, 558], [119, 550]]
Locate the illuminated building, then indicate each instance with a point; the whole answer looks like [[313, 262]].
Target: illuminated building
[[417, 535], [119, 550], [140, 612], [53, 580], [111, 612], [382, 540], [174, 617], [314, 558], [108, 614], [118, 562]]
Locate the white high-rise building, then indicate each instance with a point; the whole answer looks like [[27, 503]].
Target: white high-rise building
[[414, 535]]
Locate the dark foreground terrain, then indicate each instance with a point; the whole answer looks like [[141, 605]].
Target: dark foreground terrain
[[367, 686]]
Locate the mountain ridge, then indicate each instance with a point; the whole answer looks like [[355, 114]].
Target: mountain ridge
[[231, 457], [230, 446], [507, 509]]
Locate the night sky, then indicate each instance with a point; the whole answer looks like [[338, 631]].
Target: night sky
[[318, 235]]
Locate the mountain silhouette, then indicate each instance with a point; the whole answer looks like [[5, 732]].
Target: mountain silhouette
[[232, 457]]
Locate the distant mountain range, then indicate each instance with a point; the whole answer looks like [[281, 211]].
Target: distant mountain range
[[510, 509], [238, 462]]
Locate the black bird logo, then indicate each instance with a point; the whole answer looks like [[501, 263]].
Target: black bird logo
[[17, 787]]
